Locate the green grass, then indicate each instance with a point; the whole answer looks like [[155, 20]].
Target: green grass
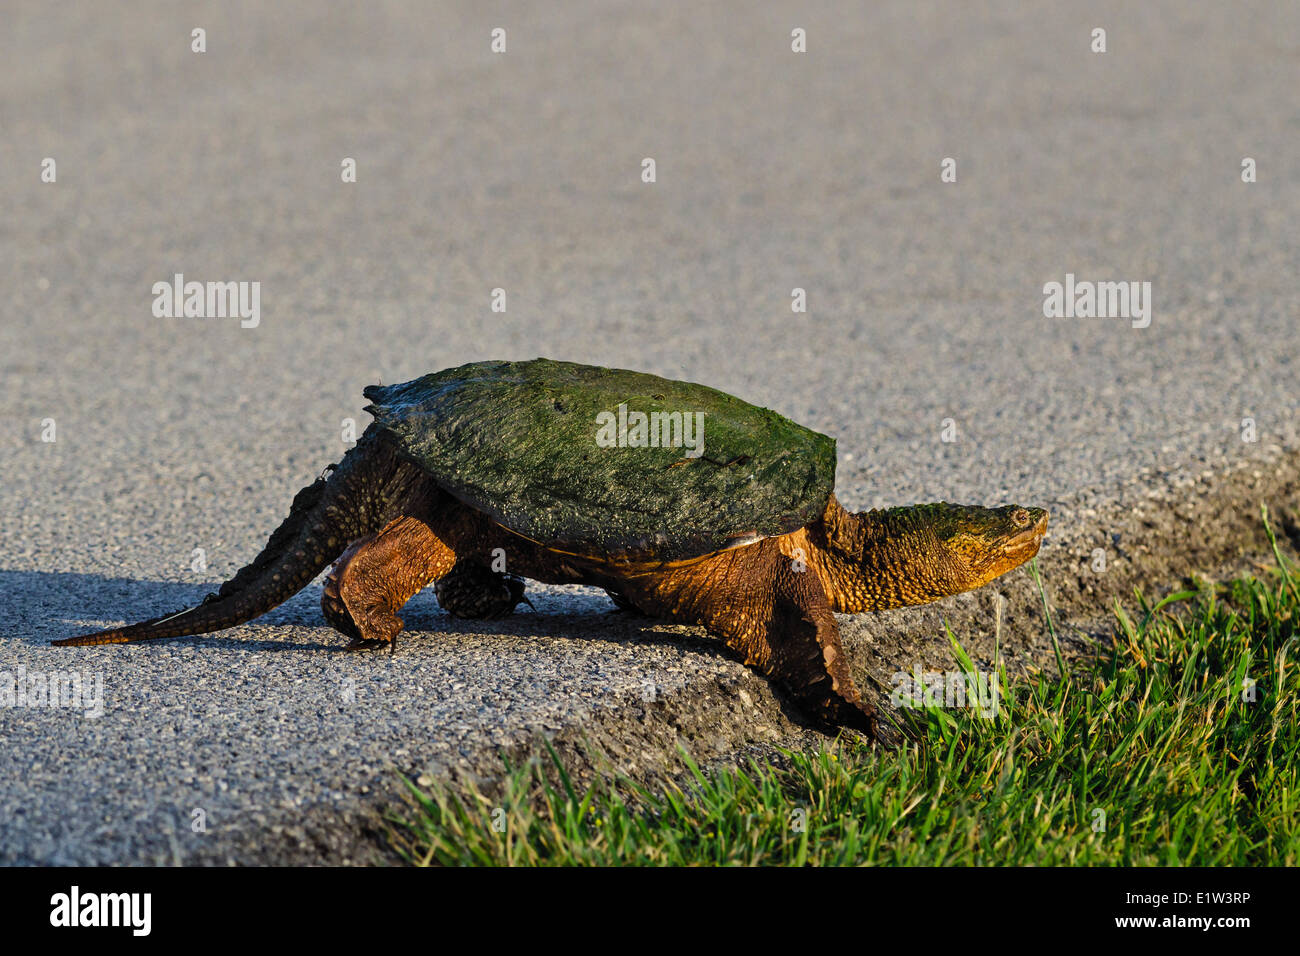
[[1151, 755]]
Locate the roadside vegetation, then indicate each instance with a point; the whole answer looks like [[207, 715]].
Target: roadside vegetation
[[1177, 746]]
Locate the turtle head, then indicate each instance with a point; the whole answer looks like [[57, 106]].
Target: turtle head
[[980, 544], [914, 555]]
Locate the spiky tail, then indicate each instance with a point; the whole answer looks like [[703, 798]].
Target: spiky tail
[[324, 518]]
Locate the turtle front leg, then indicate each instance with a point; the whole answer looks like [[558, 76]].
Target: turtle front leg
[[796, 641], [776, 618], [377, 575]]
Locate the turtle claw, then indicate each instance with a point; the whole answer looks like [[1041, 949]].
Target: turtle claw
[[476, 593], [865, 721], [856, 715], [361, 644]]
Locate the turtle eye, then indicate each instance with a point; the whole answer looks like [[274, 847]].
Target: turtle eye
[[1020, 518]]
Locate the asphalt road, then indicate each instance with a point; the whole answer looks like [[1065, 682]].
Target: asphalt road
[[523, 171]]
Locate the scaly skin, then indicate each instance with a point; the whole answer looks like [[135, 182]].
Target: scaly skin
[[876, 560], [473, 591], [394, 531], [365, 491]]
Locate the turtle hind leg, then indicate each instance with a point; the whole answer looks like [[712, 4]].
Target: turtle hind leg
[[470, 590], [377, 575]]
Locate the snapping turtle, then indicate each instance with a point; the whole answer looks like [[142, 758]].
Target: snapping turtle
[[681, 501]]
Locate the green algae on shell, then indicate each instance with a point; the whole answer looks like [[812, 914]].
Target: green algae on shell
[[519, 441]]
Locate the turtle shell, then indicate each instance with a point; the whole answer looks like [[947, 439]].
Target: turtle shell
[[559, 453]]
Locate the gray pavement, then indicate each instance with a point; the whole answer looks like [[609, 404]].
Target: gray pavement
[[522, 171]]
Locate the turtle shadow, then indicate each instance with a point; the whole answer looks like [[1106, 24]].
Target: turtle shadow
[[568, 614], [41, 606], [593, 619]]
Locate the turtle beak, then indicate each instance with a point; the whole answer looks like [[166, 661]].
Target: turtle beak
[[1025, 544]]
